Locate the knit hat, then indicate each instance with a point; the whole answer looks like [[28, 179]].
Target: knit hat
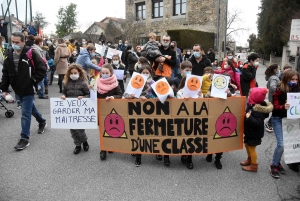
[[257, 95]]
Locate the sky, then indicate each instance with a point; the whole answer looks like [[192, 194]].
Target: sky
[[90, 11]]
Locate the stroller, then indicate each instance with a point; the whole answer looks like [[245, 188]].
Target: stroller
[[8, 113]]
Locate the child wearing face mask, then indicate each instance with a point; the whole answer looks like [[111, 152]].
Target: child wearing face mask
[[107, 88], [73, 57], [117, 65], [186, 69], [290, 83], [207, 79], [75, 85]]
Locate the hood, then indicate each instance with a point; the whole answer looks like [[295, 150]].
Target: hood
[[84, 52], [263, 109]]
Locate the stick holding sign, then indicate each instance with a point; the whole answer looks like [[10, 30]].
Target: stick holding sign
[[162, 89], [192, 86], [219, 86], [136, 84], [294, 100]]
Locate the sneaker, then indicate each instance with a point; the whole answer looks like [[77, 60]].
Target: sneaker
[[137, 163], [42, 127], [274, 171], [280, 169], [269, 128], [19, 107], [22, 144]]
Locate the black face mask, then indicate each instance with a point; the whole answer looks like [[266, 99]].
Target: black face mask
[[172, 46]]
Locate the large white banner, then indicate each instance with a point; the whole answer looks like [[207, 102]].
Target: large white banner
[[291, 140], [294, 100], [295, 30], [73, 113]]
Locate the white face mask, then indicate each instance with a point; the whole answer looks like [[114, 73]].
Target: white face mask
[[188, 53], [225, 66], [256, 63], [74, 76], [146, 75], [115, 62]]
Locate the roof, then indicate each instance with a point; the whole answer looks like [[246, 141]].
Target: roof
[[113, 19]]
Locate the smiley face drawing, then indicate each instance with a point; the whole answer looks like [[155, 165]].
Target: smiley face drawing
[[226, 125], [220, 82], [193, 84], [162, 88], [137, 82], [114, 125]]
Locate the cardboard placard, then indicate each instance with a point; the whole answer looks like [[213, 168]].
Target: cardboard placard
[[294, 100], [162, 89], [175, 127], [291, 140], [192, 86], [136, 84], [111, 52], [73, 113], [219, 86]]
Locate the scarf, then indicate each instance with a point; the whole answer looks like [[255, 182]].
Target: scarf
[[106, 85]]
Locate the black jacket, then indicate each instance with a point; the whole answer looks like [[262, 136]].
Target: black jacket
[[51, 51], [173, 61], [21, 82], [131, 60], [211, 56], [75, 88], [3, 30], [248, 78], [198, 68], [254, 127], [29, 43]]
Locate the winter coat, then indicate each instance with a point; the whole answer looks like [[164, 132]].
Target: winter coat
[[211, 56], [198, 68], [84, 60], [116, 93], [271, 85], [38, 50], [75, 88], [71, 48], [131, 60], [234, 76], [254, 127], [73, 58], [206, 83], [62, 53], [32, 30], [186, 57], [247, 79], [29, 43], [172, 62], [3, 30], [21, 81], [51, 51]]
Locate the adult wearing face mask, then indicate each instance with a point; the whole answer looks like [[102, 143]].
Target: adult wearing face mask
[[230, 57], [187, 55], [22, 77], [248, 75], [62, 54], [199, 61], [84, 59]]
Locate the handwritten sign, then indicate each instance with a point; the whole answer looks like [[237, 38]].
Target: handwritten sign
[[294, 100], [136, 84], [295, 30], [100, 49], [291, 139], [111, 52], [73, 113], [219, 86], [175, 127], [192, 86]]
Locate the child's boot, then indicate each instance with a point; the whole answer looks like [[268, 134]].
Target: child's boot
[[138, 160], [189, 162], [102, 155], [77, 150], [218, 164], [246, 162], [251, 168], [85, 146], [209, 158]]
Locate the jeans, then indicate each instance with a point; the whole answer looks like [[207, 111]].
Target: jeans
[[18, 101], [277, 126], [46, 81], [52, 71], [28, 109], [175, 71], [41, 88]]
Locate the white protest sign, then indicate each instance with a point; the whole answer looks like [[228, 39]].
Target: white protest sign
[[100, 49], [291, 140], [136, 84], [219, 86], [192, 86], [295, 30], [162, 89], [111, 52], [119, 74], [294, 100], [93, 90], [73, 113]]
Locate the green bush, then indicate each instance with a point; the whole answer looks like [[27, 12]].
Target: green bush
[[186, 39]]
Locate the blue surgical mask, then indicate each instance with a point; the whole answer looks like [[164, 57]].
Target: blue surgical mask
[[93, 54], [230, 57], [139, 65], [16, 47], [197, 55], [125, 45], [187, 73], [292, 84], [105, 76]]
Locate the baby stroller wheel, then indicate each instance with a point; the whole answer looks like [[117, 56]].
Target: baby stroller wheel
[[9, 113]]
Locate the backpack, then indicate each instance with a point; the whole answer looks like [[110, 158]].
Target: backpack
[[29, 55]]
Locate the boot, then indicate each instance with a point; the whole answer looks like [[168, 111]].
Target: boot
[[102, 155], [46, 90], [246, 162], [189, 162], [251, 168], [218, 164]]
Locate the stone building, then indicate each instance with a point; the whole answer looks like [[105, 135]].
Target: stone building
[[186, 21]]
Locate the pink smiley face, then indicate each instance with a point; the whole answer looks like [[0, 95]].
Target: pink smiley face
[[114, 125], [226, 124]]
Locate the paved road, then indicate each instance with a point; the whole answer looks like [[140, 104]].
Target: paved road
[[48, 170]]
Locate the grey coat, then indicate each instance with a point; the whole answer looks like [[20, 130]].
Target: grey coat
[[271, 85], [75, 88]]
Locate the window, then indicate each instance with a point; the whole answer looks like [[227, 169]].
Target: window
[[179, 7], [157, 8], [140, 11]]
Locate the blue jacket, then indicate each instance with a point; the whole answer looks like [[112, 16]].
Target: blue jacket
[[85, 61], [32, 30]]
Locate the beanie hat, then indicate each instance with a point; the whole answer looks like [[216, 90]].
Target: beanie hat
[[257, 95]]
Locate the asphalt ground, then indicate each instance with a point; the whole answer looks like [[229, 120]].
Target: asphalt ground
[[48, 169]]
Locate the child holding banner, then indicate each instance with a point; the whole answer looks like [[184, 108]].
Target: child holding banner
[[108, 88], [289, 83], [257, 111], [75, 85]]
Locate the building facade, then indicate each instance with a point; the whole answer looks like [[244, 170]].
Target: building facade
[[206, 19]]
